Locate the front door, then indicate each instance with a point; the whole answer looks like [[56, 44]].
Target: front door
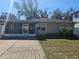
[[25, 28]]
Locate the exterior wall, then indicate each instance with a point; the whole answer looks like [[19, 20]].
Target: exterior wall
[[76, 26], [16, 28], [50, 28], [40, 25], [75, 17], [1, 25], [19, 28], [76, 29], [53, 28], [13, 28]]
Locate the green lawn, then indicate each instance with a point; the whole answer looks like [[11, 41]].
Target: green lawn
[[61, 48]]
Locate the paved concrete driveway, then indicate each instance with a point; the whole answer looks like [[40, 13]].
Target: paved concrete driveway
[[21, 49]]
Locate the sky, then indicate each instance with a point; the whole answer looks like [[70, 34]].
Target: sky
[[48, 4]]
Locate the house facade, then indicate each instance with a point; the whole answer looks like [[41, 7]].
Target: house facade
[[33, 27], [75, 17]]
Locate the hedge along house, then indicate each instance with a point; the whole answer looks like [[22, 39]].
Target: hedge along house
[[33, 27]]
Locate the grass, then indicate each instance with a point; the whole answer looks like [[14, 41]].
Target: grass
[[61, 48]]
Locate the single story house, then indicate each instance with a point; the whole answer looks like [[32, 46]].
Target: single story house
[[33, 27]]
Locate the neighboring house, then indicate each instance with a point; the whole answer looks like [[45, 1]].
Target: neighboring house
[[75, 16], [34, 27]]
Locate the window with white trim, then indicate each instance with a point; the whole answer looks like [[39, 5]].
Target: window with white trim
[[42, 27]]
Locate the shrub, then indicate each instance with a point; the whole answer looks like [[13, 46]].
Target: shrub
[[66, 31], [40, 37]]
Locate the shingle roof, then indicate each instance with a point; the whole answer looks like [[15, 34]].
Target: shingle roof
[[40, 21]]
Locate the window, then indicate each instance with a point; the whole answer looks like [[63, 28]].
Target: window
[[38, 28], [75, 15], [43, 28]]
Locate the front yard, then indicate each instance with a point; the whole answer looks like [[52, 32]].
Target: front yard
[[61, 48]]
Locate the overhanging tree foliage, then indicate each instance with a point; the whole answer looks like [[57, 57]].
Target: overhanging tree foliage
[[43, 14], [67, 15], [57, 14], [28, 8]]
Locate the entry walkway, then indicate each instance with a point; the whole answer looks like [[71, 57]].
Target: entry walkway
[[21, 49]]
